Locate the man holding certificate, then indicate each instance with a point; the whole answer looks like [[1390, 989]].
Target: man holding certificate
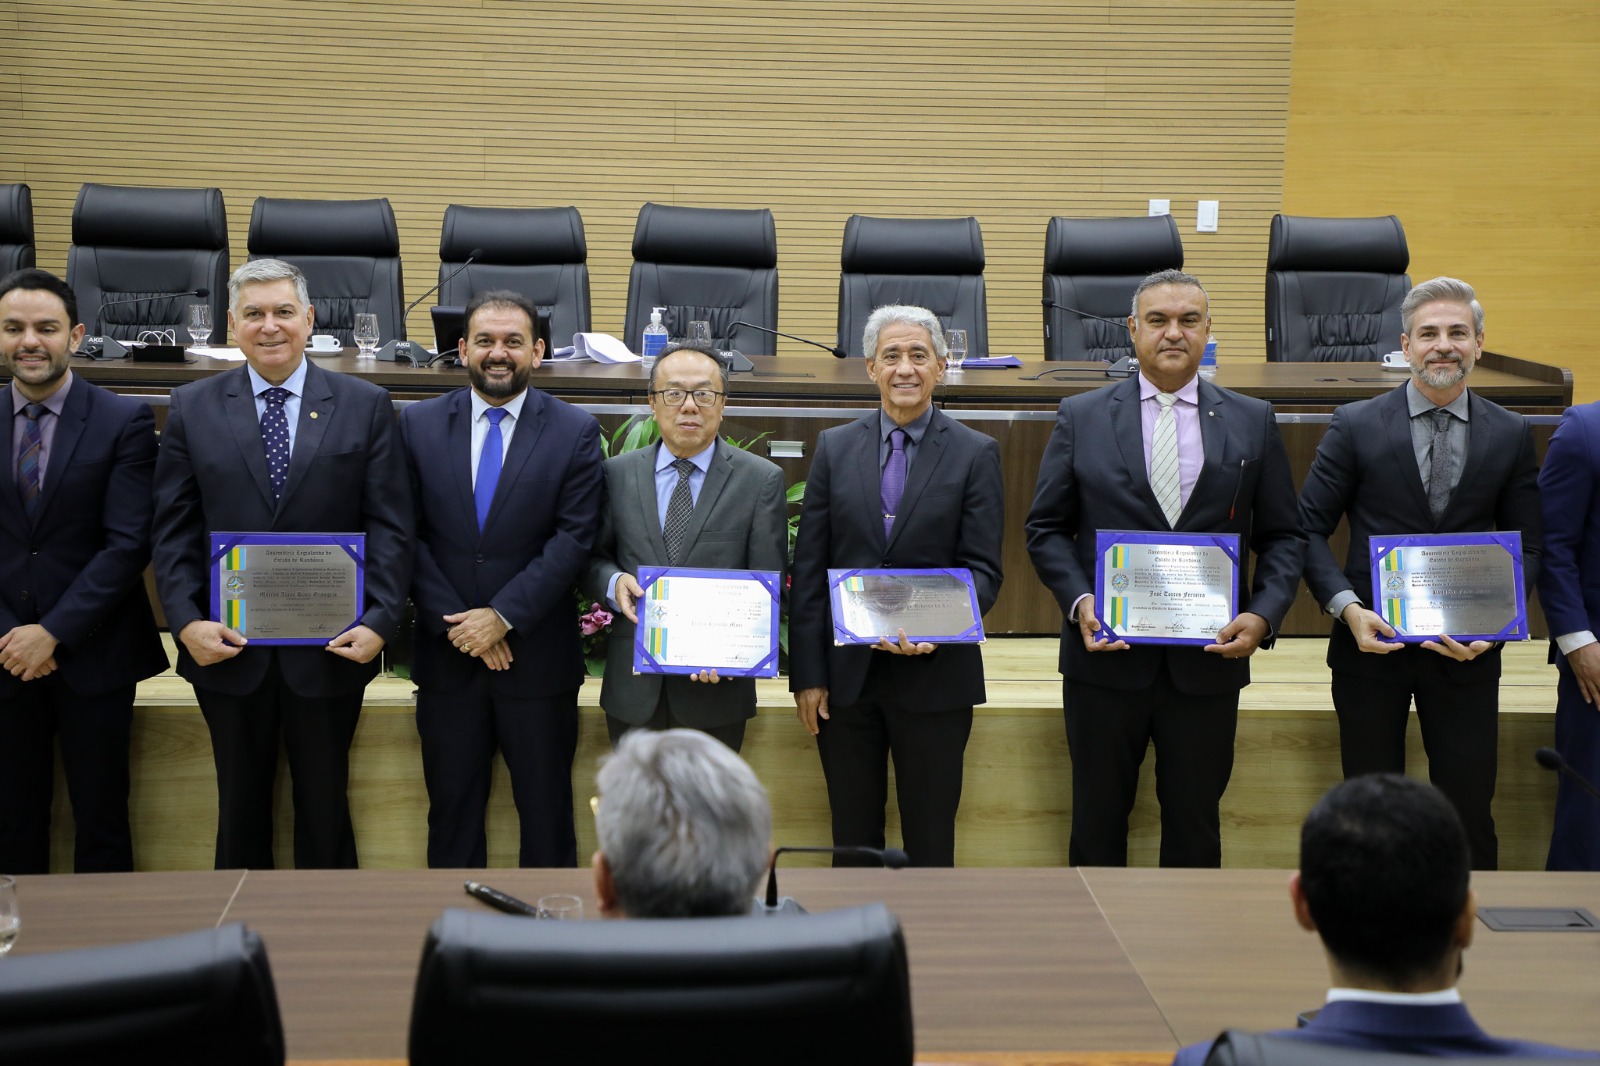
[[1195, 474], [729, 514], [1430, 457], [906, 487]]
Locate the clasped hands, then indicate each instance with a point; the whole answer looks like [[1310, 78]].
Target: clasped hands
[[1368, 627], [1237, 640], [211, 642], [28, 652]]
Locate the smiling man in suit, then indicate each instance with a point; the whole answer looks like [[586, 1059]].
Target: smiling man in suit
[[1428, 457], [76, 632], [508, 489], [906, 487], [279, 446], [692, 501], [1161, 451]]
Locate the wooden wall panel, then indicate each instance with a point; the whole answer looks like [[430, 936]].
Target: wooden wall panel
[[1012, 111]]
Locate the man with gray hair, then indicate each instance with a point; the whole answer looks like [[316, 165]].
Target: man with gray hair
[[1428, 457], [279, 446], [685, 829], [906, 487]]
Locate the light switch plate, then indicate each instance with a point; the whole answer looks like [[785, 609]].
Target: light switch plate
[[1205, 218], [1160, 207]]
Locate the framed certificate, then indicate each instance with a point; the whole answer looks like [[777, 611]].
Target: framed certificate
[[1469, 585], [932, 606], [288, 588], [692, 620], [1166, 588]]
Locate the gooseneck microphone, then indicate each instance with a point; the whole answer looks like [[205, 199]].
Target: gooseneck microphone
[[1125, 367], [1084, 314], [1551, 759], [104, 347], [836, 352], [891, 858], [401, 350]]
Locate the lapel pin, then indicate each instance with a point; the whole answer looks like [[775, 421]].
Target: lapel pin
[[313, 414]]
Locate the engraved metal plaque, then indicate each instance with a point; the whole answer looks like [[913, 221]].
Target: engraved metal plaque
[[288, 588], [932, 606], [1166, 588], [1469, 585]]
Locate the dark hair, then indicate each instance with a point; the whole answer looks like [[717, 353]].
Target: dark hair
[[673, 349], [1170, 276], [32, 278], [500, 298], [1384, 866]]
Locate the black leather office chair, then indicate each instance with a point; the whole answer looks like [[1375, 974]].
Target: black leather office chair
[[793, 989], [539, 252], [349, 251], [705, 264], [1093, 265], [16, 228], [935, 263], [1334, 287], [129, 242], [204, 997]]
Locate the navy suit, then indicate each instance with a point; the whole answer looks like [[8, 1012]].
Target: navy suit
[[345, 475], [77, 569], [523, 563]]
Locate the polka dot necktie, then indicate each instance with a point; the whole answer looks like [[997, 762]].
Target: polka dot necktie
[[29, 479], [679, 508], [275, 438]]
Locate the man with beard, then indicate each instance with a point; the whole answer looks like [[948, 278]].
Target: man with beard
[[1428, 457], [507, 486]]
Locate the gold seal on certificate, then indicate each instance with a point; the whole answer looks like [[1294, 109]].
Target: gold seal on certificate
[[288, 588], [1166, 588]]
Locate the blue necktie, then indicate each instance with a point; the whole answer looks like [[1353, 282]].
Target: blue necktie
[[893, 485], [275, 438], [489, 461], [28, 474]]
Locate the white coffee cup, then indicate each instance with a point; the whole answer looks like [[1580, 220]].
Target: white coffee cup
[[1395, 360], [325, 342]]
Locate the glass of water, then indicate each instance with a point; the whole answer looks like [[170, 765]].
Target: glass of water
[[561, 908], [700, 334], [956, 341], [200, 324], [366, 333], [10, 917]]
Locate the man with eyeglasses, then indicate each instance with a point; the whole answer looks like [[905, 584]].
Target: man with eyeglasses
[[508, 489], [906, 487], [691, 501]]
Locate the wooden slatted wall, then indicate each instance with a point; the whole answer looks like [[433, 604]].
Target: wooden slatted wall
[[1012, 111]]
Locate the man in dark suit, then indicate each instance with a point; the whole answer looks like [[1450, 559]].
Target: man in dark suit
[[1569, 592], [1427, 457], [906, 487], [1162, 451], [1383, 881], [279, 446], [76, 632], [508, 489], [734, 519]]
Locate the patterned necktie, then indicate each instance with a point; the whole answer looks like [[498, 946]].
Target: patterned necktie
[[28, 474], [893, 485], [489, 462], [1441, 464], [275, 438], [679, 508], [1164, 460]]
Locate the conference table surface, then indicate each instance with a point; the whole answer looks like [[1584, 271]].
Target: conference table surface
[[1047, 961]]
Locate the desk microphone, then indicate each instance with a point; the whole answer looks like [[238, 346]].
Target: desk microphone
[[837, 353], [1084, 314], [1551, 759], [891, 858], [1125, 367], [402, 350], [105, 347]]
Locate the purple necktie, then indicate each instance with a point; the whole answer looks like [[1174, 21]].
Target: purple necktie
[[894, 478], [28, 479]]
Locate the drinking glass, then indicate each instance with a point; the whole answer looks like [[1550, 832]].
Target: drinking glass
[[561, 908], [700, 335], [956, 341], [10, 917], [366, 333], [200, 324]]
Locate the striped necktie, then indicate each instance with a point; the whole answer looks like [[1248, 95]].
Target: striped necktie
[[1164, 460], [29, 475]]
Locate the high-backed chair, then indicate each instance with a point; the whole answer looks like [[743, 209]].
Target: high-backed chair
[[792, 989], [130, 242], [349, 251], [202, 997], [1091, 268], [935, 263], [1334, 287], [536, 251], [16, 228], [705, 264]]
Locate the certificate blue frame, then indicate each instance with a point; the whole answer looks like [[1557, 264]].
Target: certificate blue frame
[[1379, 549], [1106, 539], [644, 662], [354, 544], [973, 634]]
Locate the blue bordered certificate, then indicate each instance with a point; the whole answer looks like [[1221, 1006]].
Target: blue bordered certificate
[[288, 588], [1469, 585], [938, 606], [692, 620], [1166, 588]]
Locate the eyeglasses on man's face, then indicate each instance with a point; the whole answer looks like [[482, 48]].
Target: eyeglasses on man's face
[[675, 397]]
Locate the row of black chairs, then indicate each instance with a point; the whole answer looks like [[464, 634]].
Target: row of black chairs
[[1333, 286]]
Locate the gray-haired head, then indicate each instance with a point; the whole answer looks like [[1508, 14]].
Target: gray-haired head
[[903, 314], [1170, 276], [260, 270], [1441, 288], [683, 824]]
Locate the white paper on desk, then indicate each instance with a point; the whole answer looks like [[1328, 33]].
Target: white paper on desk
[[602, 348], [567, 353], [235, 354]]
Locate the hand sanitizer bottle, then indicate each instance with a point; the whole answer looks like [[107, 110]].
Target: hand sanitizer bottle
[[655, 339], [1208, 359]]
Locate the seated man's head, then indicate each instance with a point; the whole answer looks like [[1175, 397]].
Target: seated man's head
[[685, 828], [1384, 869]]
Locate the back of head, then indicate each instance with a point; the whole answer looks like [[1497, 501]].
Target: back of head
[[1384, 867], [683, 824]]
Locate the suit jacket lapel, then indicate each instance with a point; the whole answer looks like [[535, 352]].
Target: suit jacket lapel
[[868, 475], [69, 431], [1477, 451], [239, 407], [929, 453], [530, 425], [1129, 433], [644, 489], [1213, 442], [316, 412], [458, 450], [717, 475], [1396, 415], [11, 507]]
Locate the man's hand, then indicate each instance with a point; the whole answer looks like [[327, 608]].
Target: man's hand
[[1241, 637], [476, 631], [809, 705], [902, 647], [627, 592], [1585, 664], [28, 652], [211, 642], [1367, 626], [708, 677], [497, 657], [1095, 638], [358, 644], [1451, 648]]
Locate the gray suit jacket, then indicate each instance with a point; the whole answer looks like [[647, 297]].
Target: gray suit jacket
[[739, 523]]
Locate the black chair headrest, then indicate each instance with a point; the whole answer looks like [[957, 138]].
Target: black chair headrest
[[1112, 247], [911, 246], [323, 227], [706, 236], [513, 236], [122, 216], [16, 214], [1363, 245]]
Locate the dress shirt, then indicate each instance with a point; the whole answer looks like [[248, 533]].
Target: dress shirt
[[1397, 999], [666, 481], [296, 386], [1191, 449], [480, 427], [55, 403], [914, 433]]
